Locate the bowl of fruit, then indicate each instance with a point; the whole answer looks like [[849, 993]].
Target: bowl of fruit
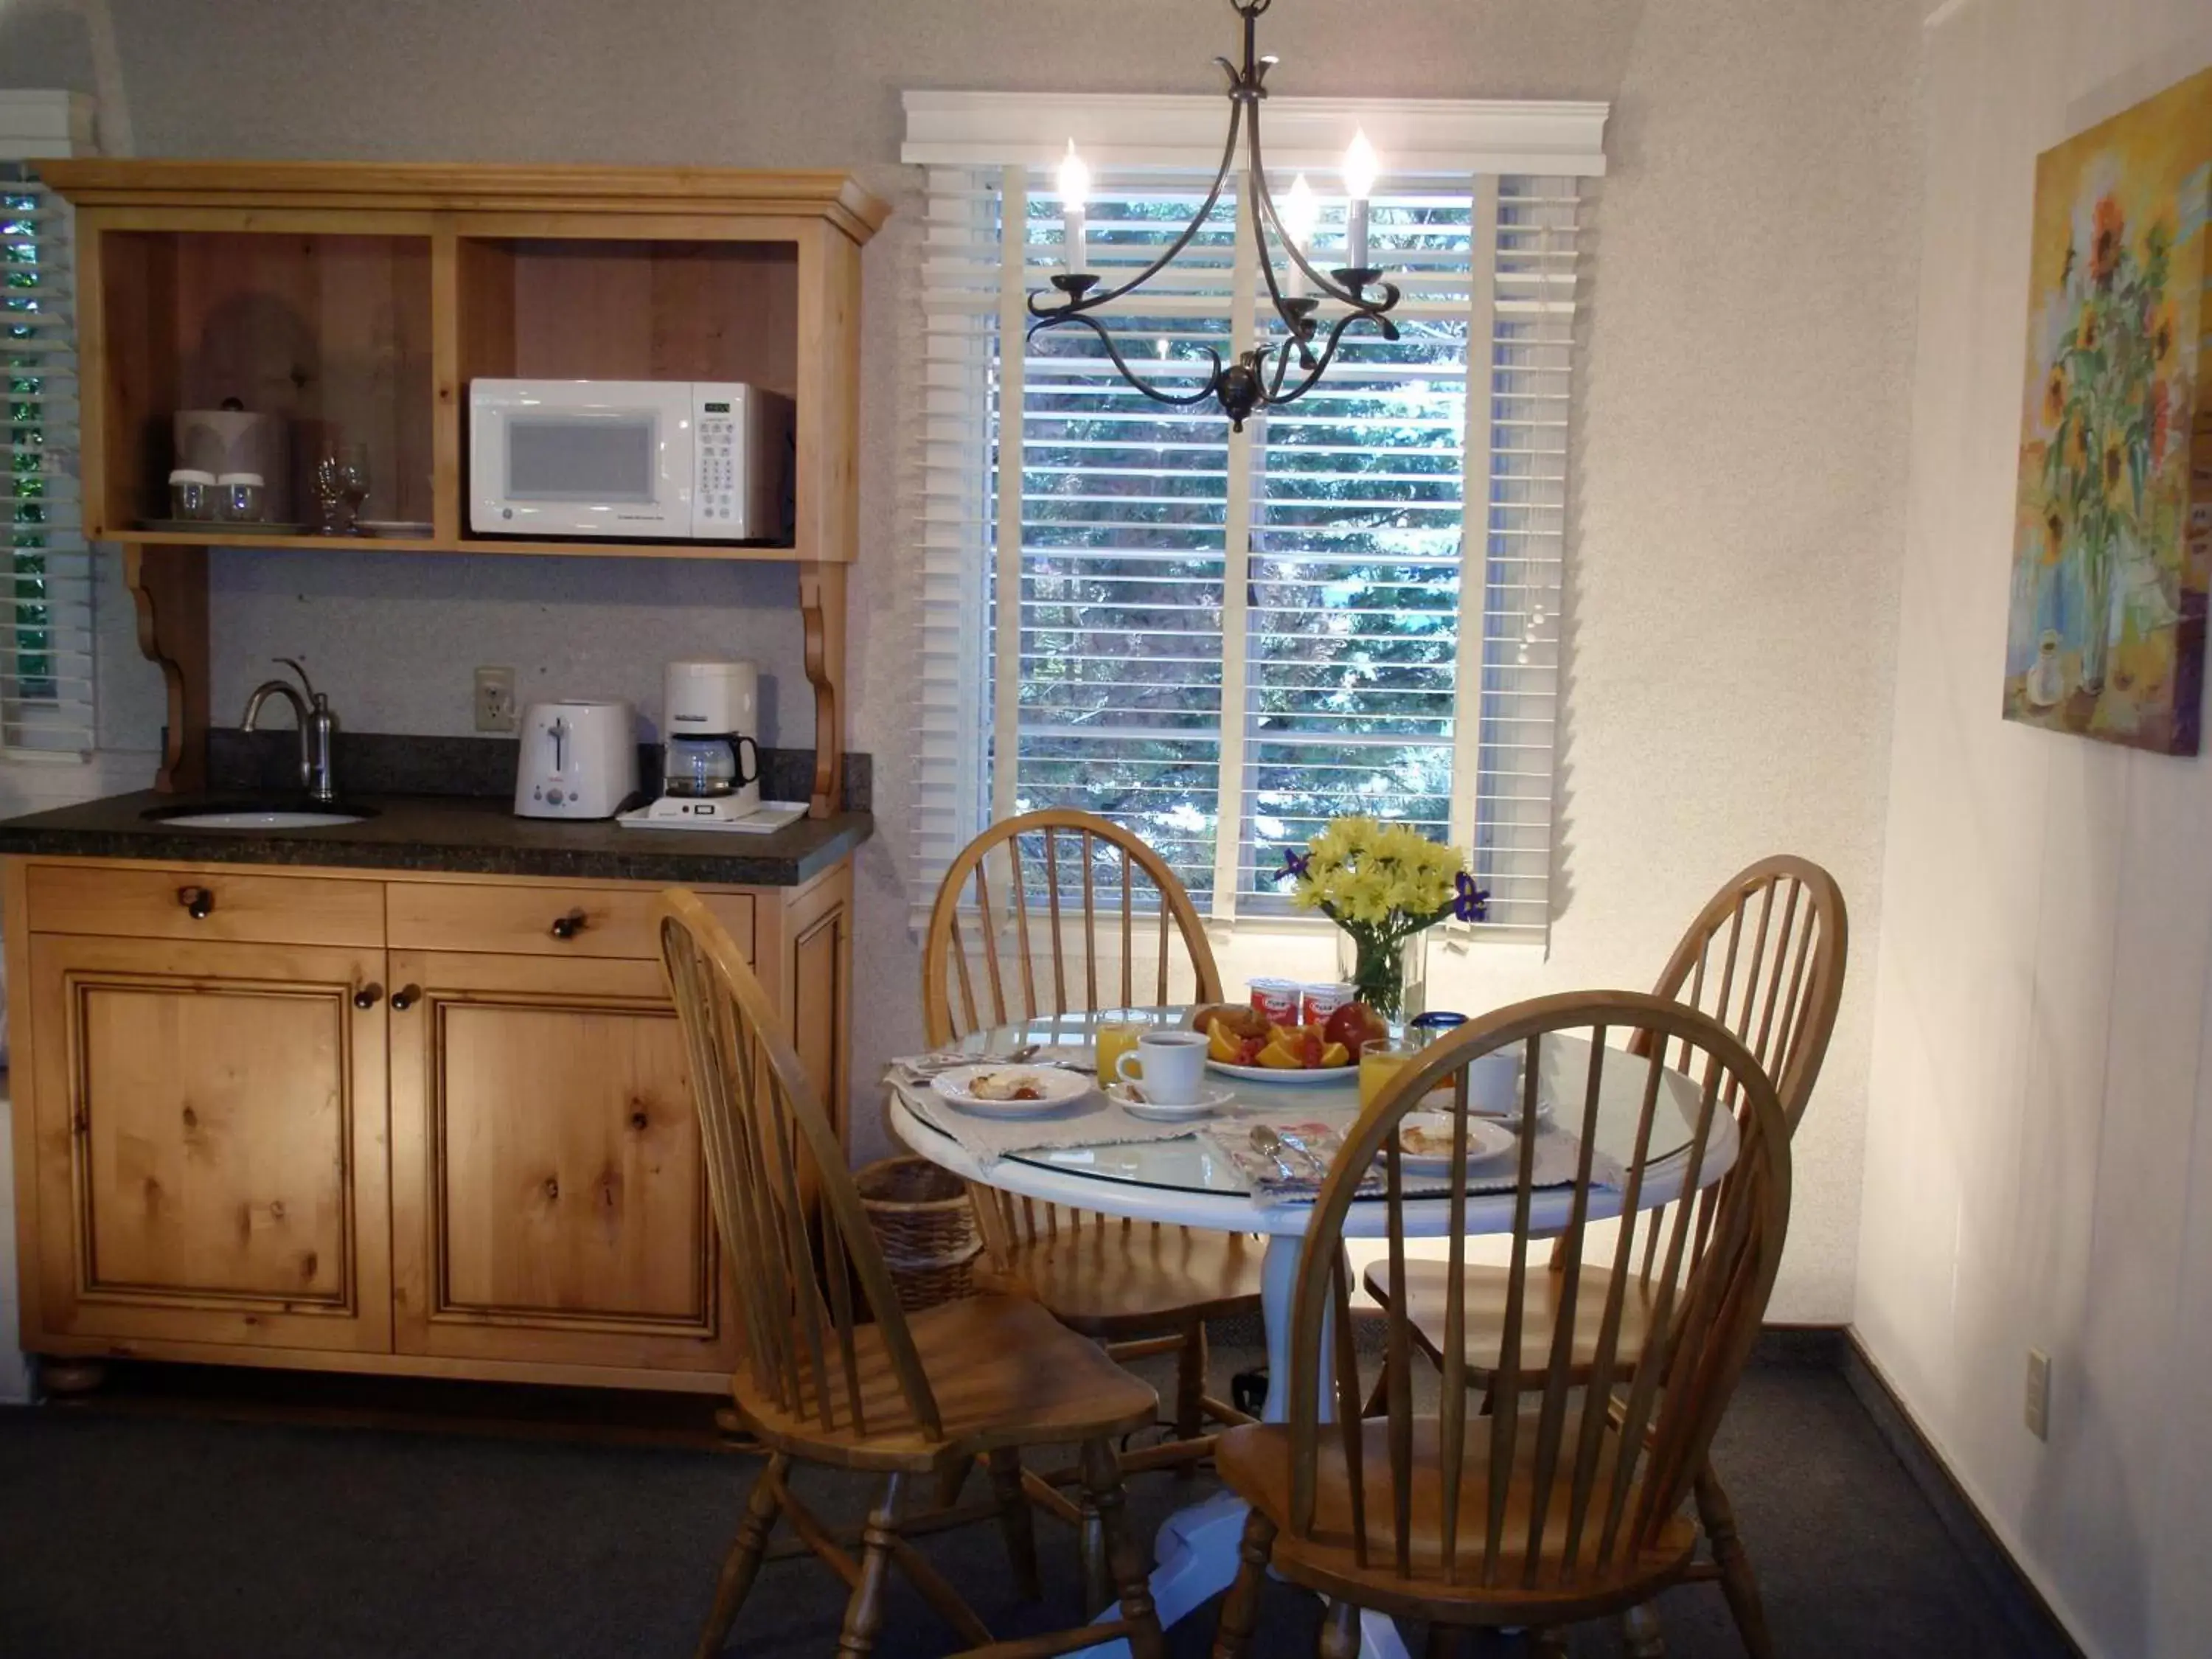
[[1244, 1043]]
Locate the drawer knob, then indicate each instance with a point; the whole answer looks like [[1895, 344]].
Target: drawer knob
[[406, 998], [368, 996], [198, 901], [569, 926]]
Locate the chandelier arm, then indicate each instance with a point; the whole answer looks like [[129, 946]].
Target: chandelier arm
[[1276, 395], [1121, 363], [1091, 302], [1329, 287]]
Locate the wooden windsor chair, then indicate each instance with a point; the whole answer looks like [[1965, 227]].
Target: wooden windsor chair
[[1564, 1501], [835, 1374], [1765, 957], [1019, 932]]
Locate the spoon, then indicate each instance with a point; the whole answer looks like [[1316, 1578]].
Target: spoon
[[1271, 1144]]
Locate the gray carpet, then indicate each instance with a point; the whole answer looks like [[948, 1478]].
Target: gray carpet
[[185, 1536]]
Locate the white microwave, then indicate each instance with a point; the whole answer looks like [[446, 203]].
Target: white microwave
[[655, 460]]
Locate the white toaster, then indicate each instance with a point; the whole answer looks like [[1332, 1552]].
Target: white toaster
[[579, 759]]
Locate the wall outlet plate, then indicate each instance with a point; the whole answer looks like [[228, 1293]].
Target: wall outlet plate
[[494, 700], [2039, 1393]]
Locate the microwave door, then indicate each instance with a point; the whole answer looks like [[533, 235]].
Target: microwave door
[[591, 470]]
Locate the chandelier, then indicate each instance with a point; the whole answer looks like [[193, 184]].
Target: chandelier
[[1256, 379]]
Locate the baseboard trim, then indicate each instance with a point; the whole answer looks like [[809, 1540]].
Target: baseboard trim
[[2041, 1634]]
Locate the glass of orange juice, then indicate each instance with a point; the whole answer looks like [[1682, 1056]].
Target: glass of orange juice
[[1379, 1062], [1113, 1038]]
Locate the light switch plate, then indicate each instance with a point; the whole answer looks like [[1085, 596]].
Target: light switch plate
[[2039, 1393], [494, 700]]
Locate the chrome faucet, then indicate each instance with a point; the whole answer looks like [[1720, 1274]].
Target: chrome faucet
[[318, 731]]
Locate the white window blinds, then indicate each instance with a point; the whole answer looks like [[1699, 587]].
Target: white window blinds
[[45, 635], [1222, 640]]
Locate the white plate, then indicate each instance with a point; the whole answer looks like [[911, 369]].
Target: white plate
[[1301, 1079], [1486, 1139], [1209, 1102], [1056, 1090]]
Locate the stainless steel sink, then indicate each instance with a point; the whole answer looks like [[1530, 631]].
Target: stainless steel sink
[[245, 815]]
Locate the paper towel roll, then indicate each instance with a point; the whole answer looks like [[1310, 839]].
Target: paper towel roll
[[221, 441]]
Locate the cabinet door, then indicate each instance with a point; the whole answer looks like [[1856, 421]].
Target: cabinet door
[[549, 1198], [211, 1142]]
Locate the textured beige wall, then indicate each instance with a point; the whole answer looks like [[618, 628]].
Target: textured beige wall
[[2039, 1173], [1736, 469]]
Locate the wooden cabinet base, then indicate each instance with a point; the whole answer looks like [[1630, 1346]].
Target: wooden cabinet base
[[338, 1121], [85, 1358]]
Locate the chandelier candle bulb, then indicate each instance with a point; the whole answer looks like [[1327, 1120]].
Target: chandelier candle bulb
[[1074, 194], [1361, 166]]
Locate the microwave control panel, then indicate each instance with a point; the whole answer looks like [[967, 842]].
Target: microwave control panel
[[717, 414]]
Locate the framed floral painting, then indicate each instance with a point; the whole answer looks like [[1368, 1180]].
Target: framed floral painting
[[2112, 551]]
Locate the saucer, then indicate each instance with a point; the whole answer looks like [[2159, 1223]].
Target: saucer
[[1209, 1102]]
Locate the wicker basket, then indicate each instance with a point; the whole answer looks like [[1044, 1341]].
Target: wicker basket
[[926, 1227]]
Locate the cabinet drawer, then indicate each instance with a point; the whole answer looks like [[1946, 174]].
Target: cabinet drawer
[[550, 922], [136, 904]]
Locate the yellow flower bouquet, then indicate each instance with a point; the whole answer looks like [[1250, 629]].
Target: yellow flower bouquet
[[1382, 883]]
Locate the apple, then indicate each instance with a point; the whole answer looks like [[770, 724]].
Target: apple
[[1355, 1023]]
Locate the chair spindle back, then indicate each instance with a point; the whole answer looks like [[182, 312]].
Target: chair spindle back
[[1035, 906], [803, 1288], [1583, 1470]]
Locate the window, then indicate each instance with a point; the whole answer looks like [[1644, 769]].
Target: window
[[1222, 640], [46, 635]]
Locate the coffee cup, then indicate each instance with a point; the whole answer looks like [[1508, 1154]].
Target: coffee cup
[[1168, 1066]]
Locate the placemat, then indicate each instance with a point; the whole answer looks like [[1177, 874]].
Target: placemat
[[1091, 1120], [1297, 1179]]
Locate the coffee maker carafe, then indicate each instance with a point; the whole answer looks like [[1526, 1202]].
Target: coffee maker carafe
[[710, 767]]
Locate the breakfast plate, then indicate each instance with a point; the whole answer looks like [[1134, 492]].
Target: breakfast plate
[[1296, 1078], [1424, 1142], [997, 1089], [1132, 1100]]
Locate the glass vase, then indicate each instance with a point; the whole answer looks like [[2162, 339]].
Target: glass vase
[[1390, 977]]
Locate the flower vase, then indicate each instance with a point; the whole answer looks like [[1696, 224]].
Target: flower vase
[[1390, 976], [2097, 617]]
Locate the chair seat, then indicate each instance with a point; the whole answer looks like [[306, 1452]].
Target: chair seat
[[1427, 1284], [1002, 1371], [1119, 1280], [1256, 1460]]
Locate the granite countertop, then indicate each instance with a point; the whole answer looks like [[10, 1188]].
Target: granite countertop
[[461, 834]]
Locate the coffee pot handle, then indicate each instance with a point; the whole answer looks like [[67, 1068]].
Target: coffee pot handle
[[746, 775]]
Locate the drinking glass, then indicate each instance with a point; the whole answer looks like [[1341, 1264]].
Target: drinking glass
[[1113, 1038], [329, 493], [1379, 1062]]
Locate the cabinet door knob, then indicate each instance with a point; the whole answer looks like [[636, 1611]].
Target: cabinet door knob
[[406, 998], [198, 901], [368, 996], [569, 926]]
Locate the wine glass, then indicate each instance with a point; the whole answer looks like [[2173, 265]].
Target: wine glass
[[353, 483], [330, 492]]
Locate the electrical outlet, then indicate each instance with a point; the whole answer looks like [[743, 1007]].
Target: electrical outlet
[[2039, 1393], [495, 710]]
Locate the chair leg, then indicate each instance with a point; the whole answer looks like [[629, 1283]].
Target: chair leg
[[1190, 1383], [1102, 1483], [1241, 1612], [742, 1565], [1738, 1582], [1642, 1637], [1378, 1397], [951, 1482], [1091, 1555], [864, 1613], [1340, 1631], [1015, 1524]]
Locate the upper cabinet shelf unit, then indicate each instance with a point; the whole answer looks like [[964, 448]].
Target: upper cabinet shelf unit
[[359, 300]]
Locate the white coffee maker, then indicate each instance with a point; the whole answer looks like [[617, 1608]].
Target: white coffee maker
[[710, 763]]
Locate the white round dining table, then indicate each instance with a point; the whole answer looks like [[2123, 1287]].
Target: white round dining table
[[1191, 1181]]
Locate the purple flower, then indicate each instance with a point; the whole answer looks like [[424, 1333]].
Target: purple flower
[[1294, 864], [1471, 903]]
